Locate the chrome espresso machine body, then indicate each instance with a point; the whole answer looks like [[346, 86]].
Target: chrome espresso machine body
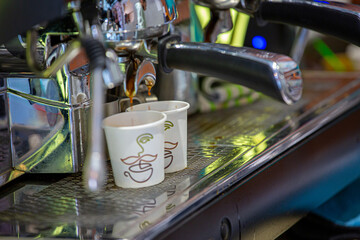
[[60, 69]]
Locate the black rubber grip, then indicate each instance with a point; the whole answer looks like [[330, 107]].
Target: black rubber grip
[[340, 20], [95, 51], [224, 63]]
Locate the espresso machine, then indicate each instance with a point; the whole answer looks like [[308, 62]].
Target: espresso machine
[[59, 61], [56, 72]]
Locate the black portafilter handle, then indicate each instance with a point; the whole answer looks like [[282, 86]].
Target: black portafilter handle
[[341, 20], [275, 75]]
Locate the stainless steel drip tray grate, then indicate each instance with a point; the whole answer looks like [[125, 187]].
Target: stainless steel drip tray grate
[[66, 202], [223, 147], [214, 141]]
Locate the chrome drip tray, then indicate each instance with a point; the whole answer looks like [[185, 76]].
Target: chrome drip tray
[[223, 147]]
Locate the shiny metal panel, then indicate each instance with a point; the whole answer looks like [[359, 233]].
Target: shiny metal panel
[[67, 88], [7, 173], [223, 148], [43, 88], [42, 132]]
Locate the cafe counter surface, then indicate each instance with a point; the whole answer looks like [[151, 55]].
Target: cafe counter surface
[[247, 166]]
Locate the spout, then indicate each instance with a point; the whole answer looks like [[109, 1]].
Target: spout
[[146, 73], [137, 74]]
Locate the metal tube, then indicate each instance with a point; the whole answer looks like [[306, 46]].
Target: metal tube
[[94, 168]]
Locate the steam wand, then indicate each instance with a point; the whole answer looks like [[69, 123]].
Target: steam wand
[[105, 69], [94, 168], [106, 72]]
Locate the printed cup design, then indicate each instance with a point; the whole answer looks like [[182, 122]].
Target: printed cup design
[[140, 164], [136, 148], [169, 147], [175, 127]]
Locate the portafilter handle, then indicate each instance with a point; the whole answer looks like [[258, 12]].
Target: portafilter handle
[[341, 20], [275, 75]]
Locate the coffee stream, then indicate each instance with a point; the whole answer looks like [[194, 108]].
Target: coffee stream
[[130, 81]]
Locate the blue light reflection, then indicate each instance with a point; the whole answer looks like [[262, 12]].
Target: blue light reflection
[[320, 1], [259, 42]]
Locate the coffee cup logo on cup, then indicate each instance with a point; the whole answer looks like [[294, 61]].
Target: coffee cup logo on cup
[[140, 163], [175, 127], [136, 148]]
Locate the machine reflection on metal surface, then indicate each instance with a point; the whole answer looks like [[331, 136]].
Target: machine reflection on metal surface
[[131, 20]]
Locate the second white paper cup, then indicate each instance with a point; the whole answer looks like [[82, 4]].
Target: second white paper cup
[[136, 147], [175, 131]]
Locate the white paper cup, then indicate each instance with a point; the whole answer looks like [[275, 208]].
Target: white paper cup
[[175, 131], [136, 147]]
